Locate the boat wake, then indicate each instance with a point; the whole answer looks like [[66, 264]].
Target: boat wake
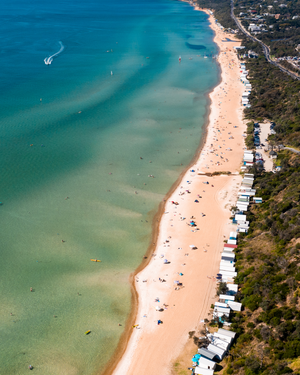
[[48, 60]]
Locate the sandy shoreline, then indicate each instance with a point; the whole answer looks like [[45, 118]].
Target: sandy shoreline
[[151, 347]]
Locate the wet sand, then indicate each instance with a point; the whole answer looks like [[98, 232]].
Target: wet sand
[[152, 348]]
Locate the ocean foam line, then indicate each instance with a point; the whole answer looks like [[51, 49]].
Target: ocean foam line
[[48, 60]]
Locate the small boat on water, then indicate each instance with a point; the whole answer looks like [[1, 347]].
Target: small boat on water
[[111, 73], [179, 59], [95, 260], [88, 332]]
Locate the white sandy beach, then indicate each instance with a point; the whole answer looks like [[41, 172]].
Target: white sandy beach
[[152, 348]]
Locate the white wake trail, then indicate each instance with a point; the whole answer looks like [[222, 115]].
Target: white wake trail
[[48, 60]]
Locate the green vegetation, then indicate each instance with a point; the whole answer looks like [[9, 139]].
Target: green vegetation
[[274, 96], [269, 278], [221, 11]]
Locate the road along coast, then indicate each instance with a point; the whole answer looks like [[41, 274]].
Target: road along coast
[[177, 287]]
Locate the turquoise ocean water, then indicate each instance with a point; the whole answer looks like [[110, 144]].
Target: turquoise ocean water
[[78, 128]]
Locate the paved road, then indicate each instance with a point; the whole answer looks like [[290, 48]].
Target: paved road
[[291, 149], [266, 49]]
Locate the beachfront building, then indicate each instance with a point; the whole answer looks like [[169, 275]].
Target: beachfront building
[[207, 354], [207, 363], [219, 351], [203, 371]]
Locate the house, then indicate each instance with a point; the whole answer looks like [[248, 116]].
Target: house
[[228, 274], [219, 351], [277, 16], [207, 354], [207, 363], [239, 219], [231, 242], [227, 256], [235, 306], [233, 235], [253, 28], [273, 154], [252, 54], [226, 297], [232, 288], [203, 371], [225, 268], [218, 342], [221, 312], [223, 337], [227, 333]]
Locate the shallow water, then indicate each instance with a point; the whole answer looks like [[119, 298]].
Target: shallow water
[[88, 130]]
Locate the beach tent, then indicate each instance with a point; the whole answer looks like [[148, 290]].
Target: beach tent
[[227, 333], [207, 354], [235, 306], [219, 351], [206, 363], [196, 358], [203, 371]]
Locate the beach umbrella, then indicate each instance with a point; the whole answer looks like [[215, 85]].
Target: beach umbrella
[[166, 261], [192, 246], [176, 281], [219, 274]]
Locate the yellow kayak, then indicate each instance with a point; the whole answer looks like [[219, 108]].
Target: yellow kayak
[[95, 260], [88, 332]]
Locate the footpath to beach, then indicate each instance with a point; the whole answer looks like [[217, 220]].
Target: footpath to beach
[[186, 254]]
